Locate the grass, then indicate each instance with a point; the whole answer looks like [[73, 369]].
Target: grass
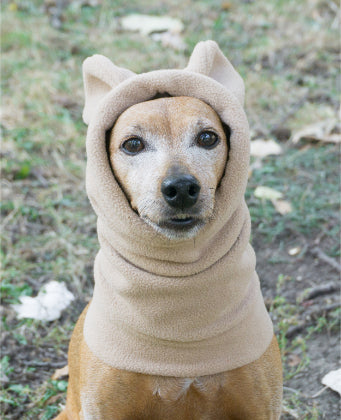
[[287, 55], [307, 180]]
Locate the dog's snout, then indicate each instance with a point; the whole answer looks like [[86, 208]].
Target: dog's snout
[[180, 191]]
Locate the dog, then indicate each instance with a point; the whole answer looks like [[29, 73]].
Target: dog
[[177, 328], [185, 142]]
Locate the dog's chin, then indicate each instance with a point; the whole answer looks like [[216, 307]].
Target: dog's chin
[[178, 228]]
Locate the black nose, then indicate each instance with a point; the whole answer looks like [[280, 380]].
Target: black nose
[[180, 191]]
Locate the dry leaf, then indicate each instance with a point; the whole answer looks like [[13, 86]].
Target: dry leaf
[[267, 193], [147, 24], [170, 39], [326, 131], [60, 373], [283, 207], [262, 148], [333, 380]]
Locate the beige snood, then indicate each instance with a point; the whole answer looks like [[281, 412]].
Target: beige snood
[[181, 308]]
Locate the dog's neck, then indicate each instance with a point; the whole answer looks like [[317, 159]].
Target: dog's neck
[[173, 258], [179, 311]]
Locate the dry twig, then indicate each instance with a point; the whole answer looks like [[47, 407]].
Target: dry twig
[[322, 289], [295, 329], [317, 251]]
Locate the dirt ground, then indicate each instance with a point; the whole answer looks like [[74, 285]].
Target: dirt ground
[[288, 55], [322, 348]]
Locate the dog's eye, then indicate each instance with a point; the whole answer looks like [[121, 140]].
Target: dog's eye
[[207, 139], [133, 146]]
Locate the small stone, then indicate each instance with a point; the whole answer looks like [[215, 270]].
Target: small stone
[[294, 251]]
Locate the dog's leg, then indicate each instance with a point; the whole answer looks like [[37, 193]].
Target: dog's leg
[[73, 407], [254, 391]]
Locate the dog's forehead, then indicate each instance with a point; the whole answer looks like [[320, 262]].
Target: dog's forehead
[[179, 112]]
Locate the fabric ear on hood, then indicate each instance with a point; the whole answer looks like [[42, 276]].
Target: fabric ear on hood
[[100, 77], [166, 307], [208, 59]]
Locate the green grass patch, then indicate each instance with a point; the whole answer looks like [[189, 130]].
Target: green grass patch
[[307, 180]]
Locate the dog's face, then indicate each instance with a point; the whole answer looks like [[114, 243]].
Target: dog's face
[[169, 155]]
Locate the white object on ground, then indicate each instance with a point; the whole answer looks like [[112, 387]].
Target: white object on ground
[[170, 39], [262, 148], [282, 206], [333, 380], [294, 251], [146, 24], [267, 193], [48, 305], [325, 131]]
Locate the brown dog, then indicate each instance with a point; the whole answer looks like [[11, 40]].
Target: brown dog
[[186, 144]]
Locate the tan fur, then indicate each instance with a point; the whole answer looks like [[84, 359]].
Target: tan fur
[[98, 391], [169, 126]]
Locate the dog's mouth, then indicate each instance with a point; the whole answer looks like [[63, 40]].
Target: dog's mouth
[[181, 227], [179, 223], [178, 227]]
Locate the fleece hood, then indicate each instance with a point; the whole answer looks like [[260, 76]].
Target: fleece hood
[[172, 307]]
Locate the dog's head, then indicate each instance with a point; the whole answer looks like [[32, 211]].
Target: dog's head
[[167, 144], [169, 155]]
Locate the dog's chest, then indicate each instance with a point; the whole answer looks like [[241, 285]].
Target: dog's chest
[[173, 389]]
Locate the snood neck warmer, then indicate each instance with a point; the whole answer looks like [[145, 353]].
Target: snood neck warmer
[[182, 308]]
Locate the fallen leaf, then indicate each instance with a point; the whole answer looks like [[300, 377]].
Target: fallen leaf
[[262, 148], [48, 305], [170, 39], [267, 193], [328, 131], [60, 373], [147, 24], [283, 207], [333, 380]]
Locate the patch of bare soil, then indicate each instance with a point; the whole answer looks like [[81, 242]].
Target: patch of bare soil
[[312, 286]]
